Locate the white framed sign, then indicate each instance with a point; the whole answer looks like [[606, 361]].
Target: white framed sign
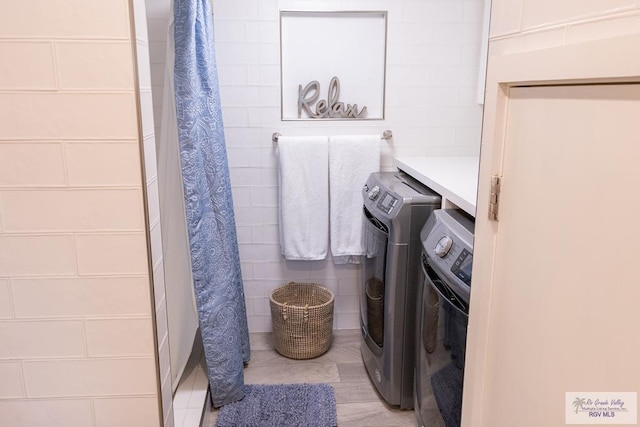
[[333, 65]]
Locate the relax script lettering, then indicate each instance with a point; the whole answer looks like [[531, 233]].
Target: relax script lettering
[[326, 108]]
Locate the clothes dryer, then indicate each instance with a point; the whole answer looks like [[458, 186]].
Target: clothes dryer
[[396, 207]]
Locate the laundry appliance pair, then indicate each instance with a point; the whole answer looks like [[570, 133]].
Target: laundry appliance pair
[[409, 329]]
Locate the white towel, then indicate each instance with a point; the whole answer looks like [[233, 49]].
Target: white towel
[[304, 197], [351, 160]]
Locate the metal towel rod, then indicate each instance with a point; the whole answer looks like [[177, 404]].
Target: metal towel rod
[[387, 134]]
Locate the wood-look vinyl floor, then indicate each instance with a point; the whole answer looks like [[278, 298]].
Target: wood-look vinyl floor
[[357, 402]]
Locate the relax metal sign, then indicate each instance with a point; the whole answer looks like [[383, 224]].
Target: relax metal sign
[[326, 108]]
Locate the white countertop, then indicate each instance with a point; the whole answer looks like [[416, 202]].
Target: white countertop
[[454, 178]]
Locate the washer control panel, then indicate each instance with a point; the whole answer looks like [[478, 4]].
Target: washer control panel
[[391, 195], [447, 240], [387, 202], [462, 266]]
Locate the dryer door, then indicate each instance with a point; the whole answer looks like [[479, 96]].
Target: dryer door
[[373, 286]]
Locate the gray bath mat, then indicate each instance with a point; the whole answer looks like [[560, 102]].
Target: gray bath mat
[[304, 405]]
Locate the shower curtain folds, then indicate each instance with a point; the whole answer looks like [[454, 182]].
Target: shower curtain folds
[[208, 202]]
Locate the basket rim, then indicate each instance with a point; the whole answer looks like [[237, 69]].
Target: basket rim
[[316, 285]]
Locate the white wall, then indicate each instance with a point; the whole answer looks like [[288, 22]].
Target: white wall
[[153, 208], [432, 67]]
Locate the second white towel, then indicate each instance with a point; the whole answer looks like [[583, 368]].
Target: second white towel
[[351, 160]]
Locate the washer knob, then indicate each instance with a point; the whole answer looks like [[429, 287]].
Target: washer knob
[[443, 246], [373, 193]]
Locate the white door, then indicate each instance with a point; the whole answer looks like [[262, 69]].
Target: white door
[[556, 291]]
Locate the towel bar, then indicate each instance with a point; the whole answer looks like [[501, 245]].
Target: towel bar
[[387, 134]]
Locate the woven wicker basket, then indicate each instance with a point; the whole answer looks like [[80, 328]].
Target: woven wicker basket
[[302, 317]]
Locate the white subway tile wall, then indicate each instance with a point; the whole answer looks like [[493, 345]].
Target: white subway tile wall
[[12, 385], [90, 377], [93, 164], [81, 65], [31, 165], [116, 296], [145, 83], [126, 412], [145, 23], [75, 300], [42, 339], [68, 115], [6, 306], [40, 412], [112, 337], [33, 68]]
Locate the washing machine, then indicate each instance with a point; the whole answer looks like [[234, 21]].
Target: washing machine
[[442, 317], [396, 207]]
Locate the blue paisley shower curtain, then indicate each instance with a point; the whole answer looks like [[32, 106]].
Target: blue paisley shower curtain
[[208, 203]]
